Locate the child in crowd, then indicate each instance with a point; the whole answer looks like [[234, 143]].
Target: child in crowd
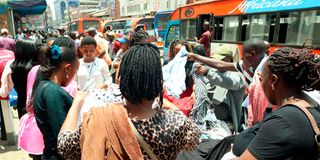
[[93, 72]]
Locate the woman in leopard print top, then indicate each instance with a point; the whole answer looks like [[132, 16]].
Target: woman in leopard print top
[[167, 132]]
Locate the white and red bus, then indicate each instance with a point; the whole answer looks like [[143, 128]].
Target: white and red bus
[[293, 23]]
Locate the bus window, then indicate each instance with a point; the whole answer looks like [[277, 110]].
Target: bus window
[[200, 21], [172, 34], [230, 30], [296, 28], [74, 26], [90, 23], [259, 26], [218, 28], [188, 29]]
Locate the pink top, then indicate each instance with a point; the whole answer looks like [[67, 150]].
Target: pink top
[[258, 102], [7, 43], [72, 87], [30, 137]]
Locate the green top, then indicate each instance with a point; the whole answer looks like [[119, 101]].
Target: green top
[[51, 104]]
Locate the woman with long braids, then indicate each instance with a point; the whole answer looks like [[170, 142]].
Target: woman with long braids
[[287, 133], [106, 132], [51, 103]]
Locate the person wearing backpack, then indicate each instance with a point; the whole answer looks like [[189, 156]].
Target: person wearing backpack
[[291, 131]]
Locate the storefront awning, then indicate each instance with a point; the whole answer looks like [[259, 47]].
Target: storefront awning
[[27, 7]]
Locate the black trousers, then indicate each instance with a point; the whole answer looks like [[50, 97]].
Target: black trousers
[[3, 128]]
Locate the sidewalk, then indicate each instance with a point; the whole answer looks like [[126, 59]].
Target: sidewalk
[[11, 152]]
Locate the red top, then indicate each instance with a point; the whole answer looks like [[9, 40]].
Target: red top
[[205, 41], [5, 56]]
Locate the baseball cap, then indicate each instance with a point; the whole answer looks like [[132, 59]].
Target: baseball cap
[[123, 40], [221, 52]]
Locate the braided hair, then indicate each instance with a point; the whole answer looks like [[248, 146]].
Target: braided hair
[[139, 37], [141, 74], [299, 67]]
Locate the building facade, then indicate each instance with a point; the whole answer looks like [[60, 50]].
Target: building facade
[[49, 18], [60, 9], [145, 7]]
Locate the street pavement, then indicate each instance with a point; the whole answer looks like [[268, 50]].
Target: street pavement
[[11, 152]]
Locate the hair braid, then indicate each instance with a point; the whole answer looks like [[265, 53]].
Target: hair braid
[[297, 66], [141, 74]]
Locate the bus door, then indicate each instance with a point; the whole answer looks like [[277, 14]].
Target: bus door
[[172, 33], [200, 20]]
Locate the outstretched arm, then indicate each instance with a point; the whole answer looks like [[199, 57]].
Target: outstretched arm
[[218, 64]]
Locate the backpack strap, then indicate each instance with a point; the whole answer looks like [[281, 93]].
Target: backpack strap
[[302, 105]]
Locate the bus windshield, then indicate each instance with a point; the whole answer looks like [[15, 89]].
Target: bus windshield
[[90, 23], [148, 22], [162, 20], [74, 26], [117, 25]]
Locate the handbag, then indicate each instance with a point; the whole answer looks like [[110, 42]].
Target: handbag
[[212, 149], [13, 98], [142, 143]]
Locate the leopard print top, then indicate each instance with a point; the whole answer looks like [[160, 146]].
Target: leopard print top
[[167, 133]]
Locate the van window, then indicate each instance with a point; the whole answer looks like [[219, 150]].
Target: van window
[[188, 29]]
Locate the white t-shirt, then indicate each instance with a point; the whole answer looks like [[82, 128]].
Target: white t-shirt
[[91, 75]]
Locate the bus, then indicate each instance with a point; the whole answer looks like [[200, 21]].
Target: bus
[[83, 24], [291, 23], [160, 22], [147, 23]]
